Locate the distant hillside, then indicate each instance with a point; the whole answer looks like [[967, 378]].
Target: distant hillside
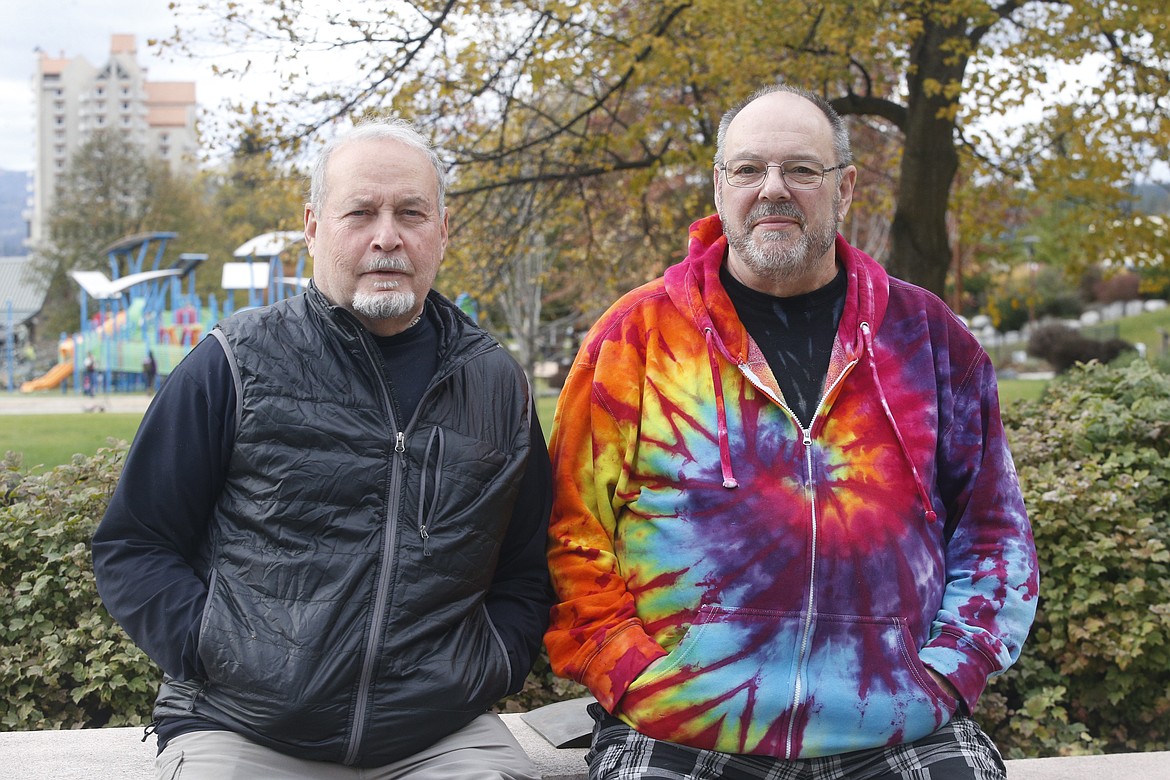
[[13, 194], [1153, 197]]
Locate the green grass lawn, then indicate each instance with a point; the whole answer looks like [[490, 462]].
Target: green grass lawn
[[1012, 390], [1146, 328], [47, 440]]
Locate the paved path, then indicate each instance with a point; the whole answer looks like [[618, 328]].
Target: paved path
[[56, 402]]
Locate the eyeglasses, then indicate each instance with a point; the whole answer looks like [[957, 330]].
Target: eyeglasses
[[797, 174]]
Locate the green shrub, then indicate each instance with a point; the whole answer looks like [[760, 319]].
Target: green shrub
[[1048, 294], [1094, 460], [1063, 347], [64, 663], [1093, 455]]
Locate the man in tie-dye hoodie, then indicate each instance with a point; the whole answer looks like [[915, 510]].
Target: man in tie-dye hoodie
[[788, 540]]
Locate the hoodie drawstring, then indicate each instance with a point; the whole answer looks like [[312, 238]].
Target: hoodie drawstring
[[930, 514], [729, 480]]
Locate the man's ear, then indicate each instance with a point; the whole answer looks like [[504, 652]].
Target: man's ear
[[848, 180], [310, 228]]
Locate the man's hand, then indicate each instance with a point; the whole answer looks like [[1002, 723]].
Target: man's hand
[[944, 683]]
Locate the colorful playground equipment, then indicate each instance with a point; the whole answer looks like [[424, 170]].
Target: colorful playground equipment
[[135, 312]]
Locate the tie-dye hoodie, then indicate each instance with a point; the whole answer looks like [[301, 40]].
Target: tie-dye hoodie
[[731, 581]]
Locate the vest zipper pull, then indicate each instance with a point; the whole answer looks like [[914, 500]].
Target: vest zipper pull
[[400, 442]]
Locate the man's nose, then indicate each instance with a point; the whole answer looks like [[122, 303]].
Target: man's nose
[[773, 187], [386, 236]]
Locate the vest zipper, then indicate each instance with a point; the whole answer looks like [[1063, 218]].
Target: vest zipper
[[382, 595], [435, 443], [385, 573]]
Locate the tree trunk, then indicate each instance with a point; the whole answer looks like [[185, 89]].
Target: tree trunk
[[920, 250]]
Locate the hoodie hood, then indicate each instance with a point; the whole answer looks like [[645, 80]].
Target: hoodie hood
[[695, 289]]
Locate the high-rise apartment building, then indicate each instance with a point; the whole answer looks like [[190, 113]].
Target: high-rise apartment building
[[75, 99]]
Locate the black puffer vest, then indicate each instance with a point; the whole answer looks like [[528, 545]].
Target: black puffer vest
[[350, 552]]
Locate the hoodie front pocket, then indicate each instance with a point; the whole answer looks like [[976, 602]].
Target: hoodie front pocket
[[866, 687], [728, 685], [753, 681]]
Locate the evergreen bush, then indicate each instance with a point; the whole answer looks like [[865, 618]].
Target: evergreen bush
[[1063, 347], [64, 663], [1093, 456]]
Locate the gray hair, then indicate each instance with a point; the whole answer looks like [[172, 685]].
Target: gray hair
[[840, 131], [383, 128]]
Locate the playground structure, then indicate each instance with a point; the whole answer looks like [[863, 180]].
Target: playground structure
[[137, 311]]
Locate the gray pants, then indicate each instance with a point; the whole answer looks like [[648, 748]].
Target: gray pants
[[483, 750]]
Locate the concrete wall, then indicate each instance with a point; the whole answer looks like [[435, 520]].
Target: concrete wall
[[121, 754]]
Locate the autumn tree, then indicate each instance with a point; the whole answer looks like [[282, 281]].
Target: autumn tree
[[543, 92], [112, 190], [109, 191], [256, 190]]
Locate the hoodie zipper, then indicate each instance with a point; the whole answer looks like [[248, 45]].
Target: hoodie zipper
[[810, 610]]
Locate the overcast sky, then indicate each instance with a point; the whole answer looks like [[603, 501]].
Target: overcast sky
[[82, 28]]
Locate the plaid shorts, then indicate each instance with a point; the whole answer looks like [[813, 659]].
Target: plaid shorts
[[957, 751]]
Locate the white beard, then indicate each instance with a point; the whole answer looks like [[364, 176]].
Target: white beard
[[384, 304], [771, 259]]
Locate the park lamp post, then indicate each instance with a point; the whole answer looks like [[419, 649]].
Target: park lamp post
[[1030, 243]]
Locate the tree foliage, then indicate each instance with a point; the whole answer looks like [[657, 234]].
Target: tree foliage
[[622, 99], [256, 192], [109, 191]]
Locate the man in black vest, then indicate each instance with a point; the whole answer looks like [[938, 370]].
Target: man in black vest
[[330, 529]]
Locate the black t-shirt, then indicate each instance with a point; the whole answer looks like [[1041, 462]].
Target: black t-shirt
[[409, 361], [795, 334]]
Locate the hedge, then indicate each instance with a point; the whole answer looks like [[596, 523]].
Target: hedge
[[64, 663], [1093, 456]]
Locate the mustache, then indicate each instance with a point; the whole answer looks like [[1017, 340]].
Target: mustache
[[389, 263], [785, 209]]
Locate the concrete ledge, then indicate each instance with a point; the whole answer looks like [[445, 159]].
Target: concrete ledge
[[120, 754]]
